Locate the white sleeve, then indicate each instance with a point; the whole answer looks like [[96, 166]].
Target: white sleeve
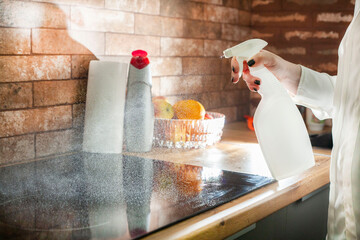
[[316, 91]]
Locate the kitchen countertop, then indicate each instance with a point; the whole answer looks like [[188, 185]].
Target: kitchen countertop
[[238, 151]]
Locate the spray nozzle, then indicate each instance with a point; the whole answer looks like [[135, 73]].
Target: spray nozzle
[[244, 51]]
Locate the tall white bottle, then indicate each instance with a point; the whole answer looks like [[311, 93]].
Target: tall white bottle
[[278, 124], [139, 110]]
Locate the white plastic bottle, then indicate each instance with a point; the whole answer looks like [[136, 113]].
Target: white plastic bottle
[[278, 124], [139, 110]]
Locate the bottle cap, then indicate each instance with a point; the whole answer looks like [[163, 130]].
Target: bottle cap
[[139, 59]]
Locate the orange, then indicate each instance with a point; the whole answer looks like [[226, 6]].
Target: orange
[[189, 109]]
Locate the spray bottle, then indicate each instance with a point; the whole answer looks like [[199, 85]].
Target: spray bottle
[[139, 110], [279, 127]]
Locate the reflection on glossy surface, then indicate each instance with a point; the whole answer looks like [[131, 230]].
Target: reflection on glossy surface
[[98, 196]]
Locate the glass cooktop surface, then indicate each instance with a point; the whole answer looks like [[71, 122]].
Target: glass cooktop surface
[[110, 196]]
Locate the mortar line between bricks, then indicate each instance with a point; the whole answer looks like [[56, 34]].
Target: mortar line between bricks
[[39, 132], [45, 80], [34, 145], [39, 107]]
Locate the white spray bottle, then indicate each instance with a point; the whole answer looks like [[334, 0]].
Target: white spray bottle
[[278, 124]]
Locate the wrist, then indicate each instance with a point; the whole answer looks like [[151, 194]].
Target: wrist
[[292, 77]]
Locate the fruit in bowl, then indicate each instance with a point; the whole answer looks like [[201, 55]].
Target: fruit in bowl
[[162, 108], [189, 109], [190, 127]]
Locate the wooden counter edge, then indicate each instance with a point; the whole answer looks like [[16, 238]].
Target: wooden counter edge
[[229, 218]]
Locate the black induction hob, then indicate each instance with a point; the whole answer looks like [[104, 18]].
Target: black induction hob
[[108, 196]]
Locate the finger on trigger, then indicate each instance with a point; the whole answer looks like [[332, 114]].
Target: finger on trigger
[[234, 65], [234, 77], [245, 68], [252, 87], [249, 78], [255, 60]]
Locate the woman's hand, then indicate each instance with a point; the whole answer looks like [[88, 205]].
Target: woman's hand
[[286, 72]]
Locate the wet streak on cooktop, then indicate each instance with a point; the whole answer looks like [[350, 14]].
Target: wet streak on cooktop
[[100, 196]]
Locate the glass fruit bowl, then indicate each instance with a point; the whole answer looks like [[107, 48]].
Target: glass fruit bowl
[[188, 133]]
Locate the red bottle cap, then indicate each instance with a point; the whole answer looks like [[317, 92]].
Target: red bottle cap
[[139, 59]]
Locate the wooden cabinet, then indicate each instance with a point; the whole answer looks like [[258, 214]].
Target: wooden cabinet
[[303, 219]]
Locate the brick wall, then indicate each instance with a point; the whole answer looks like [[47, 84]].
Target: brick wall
[[303, 31], [46, 46]]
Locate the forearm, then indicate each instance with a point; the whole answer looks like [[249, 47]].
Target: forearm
[[288, 73]]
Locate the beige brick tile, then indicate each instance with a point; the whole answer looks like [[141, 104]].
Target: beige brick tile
[[221, 14], [89, 3], [180, 85], [15, 95], [329, 67], [242, 111], [228, 85], [235, 33], [159, 26], [211, 100], [264, 6], [338, 17], [226, 65], [24, 68], [174, 99], [212, 83], [14, 41], [232, 3], [216, 47], [59, 92], [80, 65], [229, 112], [270, 34], [287, 50], [32, 14], [171, 86], [141, 6], [146, 24], [306, 35], [182, 9], [182, 47], [218, 2], [231, 98], [91, 19], [34, 120], [243, 4], [290, 19], [53, 41], [17, 149], [200, 66], [193, 84], [244, 18], [78, 114], [201, 29], [155, 90], [165, 66], [58, 142], [122, 44]]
